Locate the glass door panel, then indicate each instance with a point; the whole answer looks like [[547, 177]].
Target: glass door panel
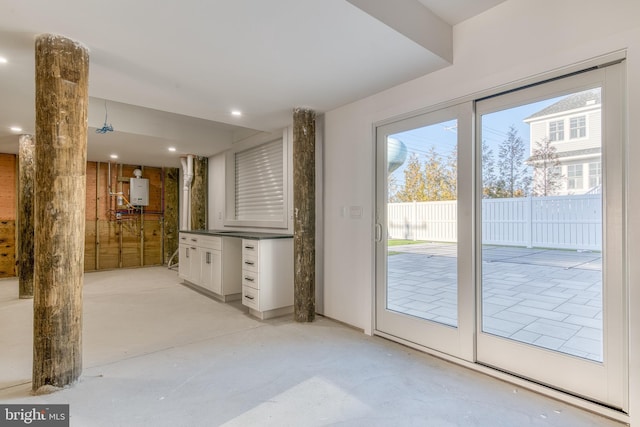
[[542, 224], [417, 254], [548, 214], [422, 234]]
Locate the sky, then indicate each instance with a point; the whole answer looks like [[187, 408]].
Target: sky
[[443, 136]]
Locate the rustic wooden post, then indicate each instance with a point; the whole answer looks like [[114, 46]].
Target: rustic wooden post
[[304, 252], [171, 212], [199, 194], [62, 71], [26, 162]]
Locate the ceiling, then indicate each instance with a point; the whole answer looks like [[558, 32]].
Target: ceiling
[[168, 74]]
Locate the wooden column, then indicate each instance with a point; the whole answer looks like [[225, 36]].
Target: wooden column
[[304, 247], [171, 211], [26, 166], [199, 196], [62, 71]]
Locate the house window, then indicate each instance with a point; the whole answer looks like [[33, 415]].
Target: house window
[[577, 127], [574, 177], [595, 174], [556, 130], [259, 192]]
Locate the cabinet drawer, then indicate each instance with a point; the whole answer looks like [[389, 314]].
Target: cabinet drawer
[[250, 247], [210, 242], [250, 278], [251, 297], [250, 263]]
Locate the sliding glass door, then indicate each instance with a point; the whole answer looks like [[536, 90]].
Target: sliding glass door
[[500, 233]]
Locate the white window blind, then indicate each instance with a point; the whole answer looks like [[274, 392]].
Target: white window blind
[[259, 187]]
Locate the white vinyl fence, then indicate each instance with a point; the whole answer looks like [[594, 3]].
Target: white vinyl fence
[[563, 222]]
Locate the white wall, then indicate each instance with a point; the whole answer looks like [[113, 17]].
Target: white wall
[[517, 40]]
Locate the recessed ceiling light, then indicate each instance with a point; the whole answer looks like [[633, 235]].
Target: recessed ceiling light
[[172, 148], [3, 60], [16, 128], [114, 156], [236, 113]]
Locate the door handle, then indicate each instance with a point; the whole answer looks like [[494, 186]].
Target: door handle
[[378, 236]]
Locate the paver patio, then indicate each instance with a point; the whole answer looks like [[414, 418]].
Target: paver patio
[[548, 298]]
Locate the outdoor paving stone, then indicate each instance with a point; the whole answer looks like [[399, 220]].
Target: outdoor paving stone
[[538, 312], [590, 333], [449, 312], [501, 292], [402, 287], [426, 298], [549, 342], [497, 282], [591, 294], [579, 300], [503, 301], [505, 327], [550, 330], [534, 287], [424, 290], [595, 303], [571, 284], [541, 298], [561, 324], [584, 321], [579, 309], [393, 293], [562, 295], [418, 313], [515, 317], [580, 344], [420, 305], [525, 336], [489, 309], [539, 304]]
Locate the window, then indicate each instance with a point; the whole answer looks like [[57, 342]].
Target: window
[[256, 183], [259, 189], [577, 127], [556, 130], [595, 174], [574, 177]]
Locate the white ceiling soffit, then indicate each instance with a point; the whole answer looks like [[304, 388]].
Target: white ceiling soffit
[[456, 11], [412, 19]]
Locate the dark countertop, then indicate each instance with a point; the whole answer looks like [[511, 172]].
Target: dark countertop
[[239, 234]]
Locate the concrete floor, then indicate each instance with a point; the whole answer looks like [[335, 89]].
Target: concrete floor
[[159, 354]]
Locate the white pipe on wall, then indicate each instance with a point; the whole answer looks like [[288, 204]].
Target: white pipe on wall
[[187, 175]]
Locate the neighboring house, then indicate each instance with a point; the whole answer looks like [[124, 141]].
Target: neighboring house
[[573, 126]]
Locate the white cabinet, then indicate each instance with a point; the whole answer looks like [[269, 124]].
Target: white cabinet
[[212, 264], [211, 270], [267, 276]]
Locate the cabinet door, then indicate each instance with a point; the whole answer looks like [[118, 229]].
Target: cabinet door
[[184, 266], [211, 270], [195, 275]]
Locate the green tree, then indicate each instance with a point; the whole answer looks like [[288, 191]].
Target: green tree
[[547, 178], [414, 182], [451, 176], [489, 179], [513, 181]]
